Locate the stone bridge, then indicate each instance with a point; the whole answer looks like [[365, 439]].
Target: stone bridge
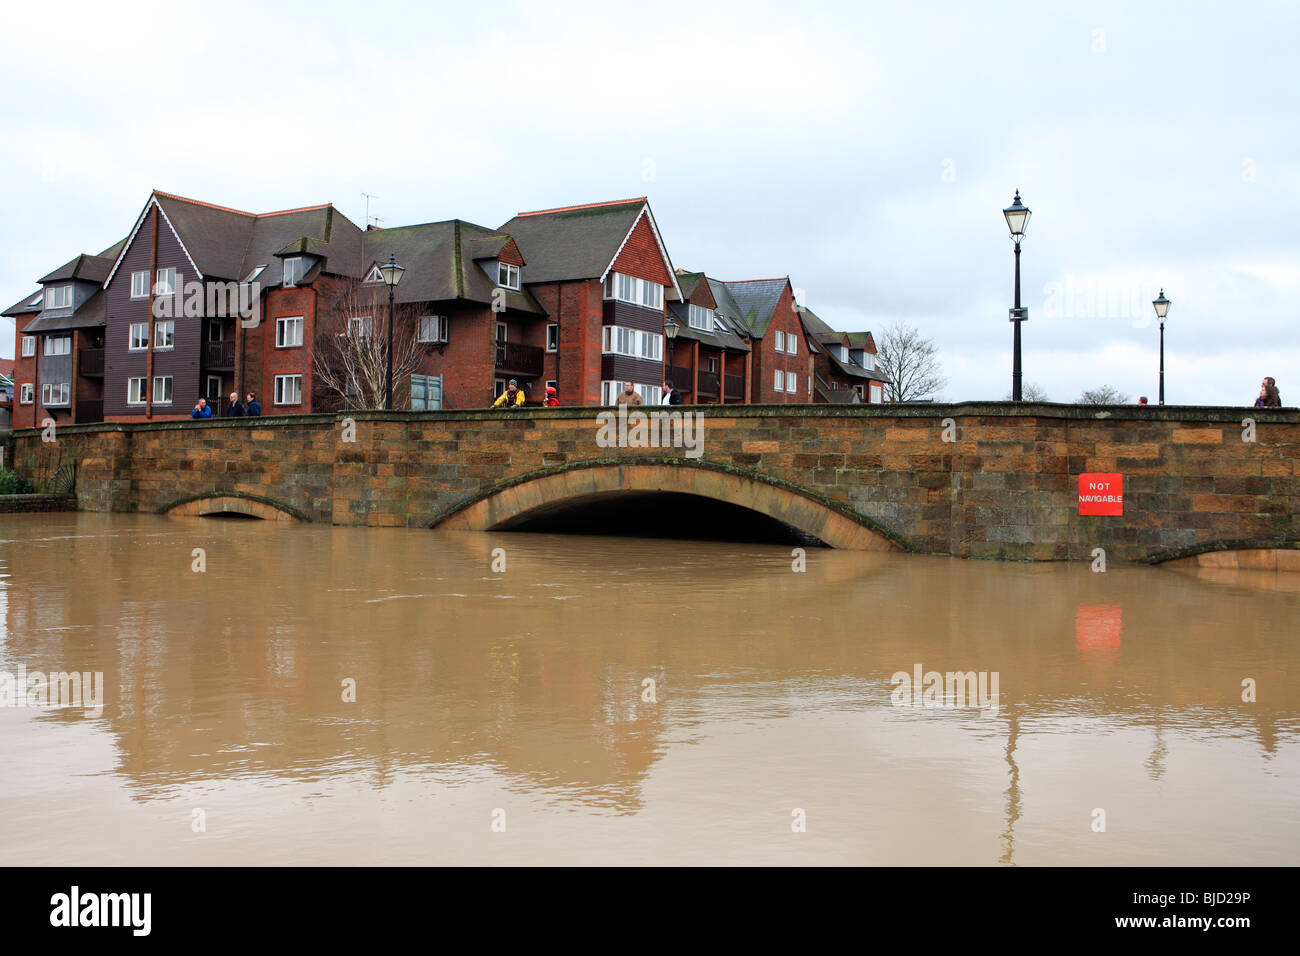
[[990, 480]]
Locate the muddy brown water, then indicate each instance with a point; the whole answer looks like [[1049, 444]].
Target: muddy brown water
[[506, 716]]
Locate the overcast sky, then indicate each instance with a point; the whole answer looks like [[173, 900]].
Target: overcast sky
[[866, 150]]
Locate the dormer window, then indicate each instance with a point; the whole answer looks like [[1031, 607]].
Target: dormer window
[[844, 353], [293, 270], [507, 275], [59, 297], [700, 318], [257, 271], [373, 277]]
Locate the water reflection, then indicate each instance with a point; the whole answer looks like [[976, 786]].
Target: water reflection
[[528, 686]]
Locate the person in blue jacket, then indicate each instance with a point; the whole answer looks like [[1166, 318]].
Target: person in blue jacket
[[201, 410], [253, 408]]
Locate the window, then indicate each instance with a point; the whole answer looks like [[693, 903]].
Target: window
[[165, 283], [288, 390], [779, 341], [809, 384], [507, 275], [624, 341], [877, 392], [135, 391], [636, 291], [58, 344], [502, 331], [140, 284], [164, 336], [288, 332], [26, 393], [359, 326], [713, 364], [780, 381], [844, 353], [791, 383], [252, 276], [213, 390], [162, 390], [215, 332], [698, 317], [36, 299], [29, 346], [552, 337], [433, 328], [139, 337], [373, 277], [610, 391], [293, 270], [59, 297], [791, 344], [55, 394]]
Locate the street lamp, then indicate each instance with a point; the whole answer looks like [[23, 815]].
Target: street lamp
[[670, 332], [1162, 309], [392, 274], [1017, 215]]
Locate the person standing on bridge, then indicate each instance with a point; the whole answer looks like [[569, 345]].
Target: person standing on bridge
[[1269, 396], [512, 397], [236, 408], [552, 399], [201, 410], [254, 407], [671, 395], [629, 396]]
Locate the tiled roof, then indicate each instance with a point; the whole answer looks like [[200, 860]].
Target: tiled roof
[[756, 300], [90, 314], [573, 242]]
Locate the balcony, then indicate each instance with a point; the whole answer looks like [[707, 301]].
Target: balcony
[[735, 388], [219, 356], [709, 383], [683, 378], [519, 359], [90, 362], [90, 410]]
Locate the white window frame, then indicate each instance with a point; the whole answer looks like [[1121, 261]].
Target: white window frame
[[26, 393], [216, 332], [650, 394], [164, 335], [626, 288], [791, 344], [634, 343], [53, 343], [165, 282], [792, 383], [140, 284], [778, 341], [56, 394], [165, 381], [209, 392], [361, 326], [553, 337], [698, 317], [131, 341], [283, 382], [439, 333], [282, 326], [512, 275], [252, 276], [779, 380], [609, 392], [58, 297], [877, 393], [29, 346], [503, 332], [135, 393], [293, 271]]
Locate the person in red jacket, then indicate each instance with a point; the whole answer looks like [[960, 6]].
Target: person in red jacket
[[552, 400]]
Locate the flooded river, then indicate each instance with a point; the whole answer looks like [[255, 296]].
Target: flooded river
[[301, 694]]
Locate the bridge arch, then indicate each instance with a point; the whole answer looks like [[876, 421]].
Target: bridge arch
[[511, 502], [253, 506], [1235, 555]]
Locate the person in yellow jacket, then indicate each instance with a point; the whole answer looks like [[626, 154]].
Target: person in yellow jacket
[[512, 397]]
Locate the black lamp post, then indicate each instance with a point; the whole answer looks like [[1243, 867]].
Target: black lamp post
[[392, 274], [1017, 215], [1162, 309], [670, 333]]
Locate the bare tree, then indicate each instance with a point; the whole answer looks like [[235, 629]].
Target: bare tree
[[1105, 395], [350, 354], [1031, 392], [910, 362]]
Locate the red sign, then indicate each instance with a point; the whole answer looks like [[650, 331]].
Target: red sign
[[1101, 494]]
